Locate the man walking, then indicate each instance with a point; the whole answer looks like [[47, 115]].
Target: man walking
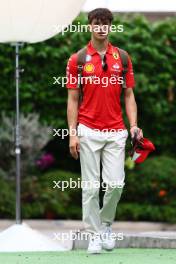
[[101, 132]]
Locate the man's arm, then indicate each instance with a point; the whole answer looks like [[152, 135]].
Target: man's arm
[[131, 111], [72, 117]]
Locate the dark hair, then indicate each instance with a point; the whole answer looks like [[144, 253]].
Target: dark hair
[[101, 15]]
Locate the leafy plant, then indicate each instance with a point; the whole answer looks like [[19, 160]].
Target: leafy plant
[[34, 137]]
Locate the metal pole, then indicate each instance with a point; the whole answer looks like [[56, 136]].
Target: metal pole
[[17, 137]]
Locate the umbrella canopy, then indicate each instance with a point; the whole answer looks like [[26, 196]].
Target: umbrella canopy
[[35, 20]]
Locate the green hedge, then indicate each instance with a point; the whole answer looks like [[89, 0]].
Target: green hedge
[[149, 194], [152, 48], [7, 198], [143, 212], [41, 200], [152, 182]]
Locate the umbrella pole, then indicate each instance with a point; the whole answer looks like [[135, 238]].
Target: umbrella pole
[[18, 137], [20, 237]]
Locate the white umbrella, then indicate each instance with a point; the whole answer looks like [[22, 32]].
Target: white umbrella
[[33, 21], [30, 21]]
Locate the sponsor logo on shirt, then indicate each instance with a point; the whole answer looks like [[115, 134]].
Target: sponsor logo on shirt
[[116, 66], [115, 55], [89, 68]]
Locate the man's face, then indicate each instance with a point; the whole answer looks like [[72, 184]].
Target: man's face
[[100, 30]]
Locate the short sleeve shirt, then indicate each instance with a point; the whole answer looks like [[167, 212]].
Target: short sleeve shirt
[[101, 107]]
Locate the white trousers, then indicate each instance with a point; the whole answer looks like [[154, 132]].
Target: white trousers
[[109, 149]]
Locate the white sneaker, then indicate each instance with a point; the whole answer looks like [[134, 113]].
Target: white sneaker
[[95, 246], [108, 241]]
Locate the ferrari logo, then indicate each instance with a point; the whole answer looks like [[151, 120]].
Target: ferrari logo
[[89, 68], [115, 55]]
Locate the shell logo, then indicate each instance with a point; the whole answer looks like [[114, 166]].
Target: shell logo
[[89, 68]]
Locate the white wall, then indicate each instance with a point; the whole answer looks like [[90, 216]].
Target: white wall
[[132, 5]]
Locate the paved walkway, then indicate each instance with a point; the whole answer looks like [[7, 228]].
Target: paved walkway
[[135, 234]]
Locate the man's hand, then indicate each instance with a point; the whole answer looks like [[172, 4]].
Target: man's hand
[[138, 131], [74, 146]]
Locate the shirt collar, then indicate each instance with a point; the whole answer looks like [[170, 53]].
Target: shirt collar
[[91, 50]]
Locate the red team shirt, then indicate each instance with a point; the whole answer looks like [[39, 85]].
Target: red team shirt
[[101, 107]]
